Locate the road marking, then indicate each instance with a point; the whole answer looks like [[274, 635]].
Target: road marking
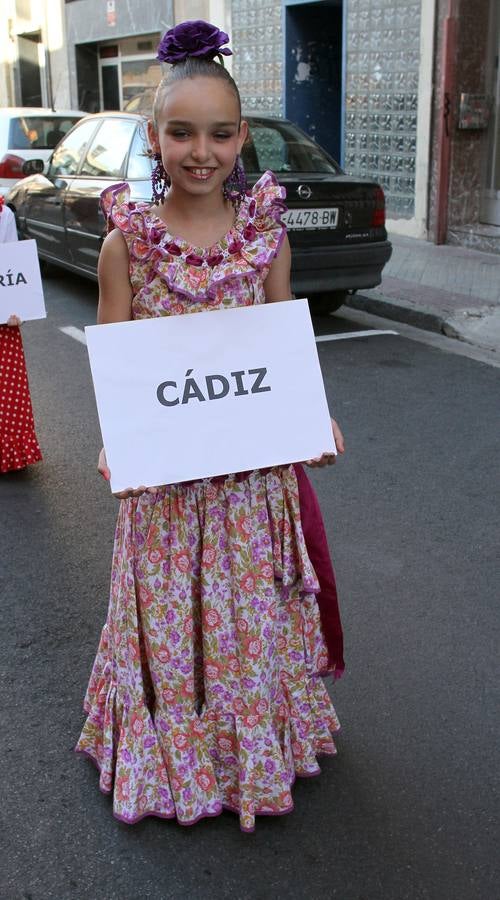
[[351, 334], [76, 333]]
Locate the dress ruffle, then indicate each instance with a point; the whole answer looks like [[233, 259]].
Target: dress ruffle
[[198, 273], [186, 737], [188, 766], [18, 441]]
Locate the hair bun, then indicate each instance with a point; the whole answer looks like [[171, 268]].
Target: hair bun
[[193, 38]]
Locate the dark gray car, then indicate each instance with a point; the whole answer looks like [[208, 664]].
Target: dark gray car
[[336, 223]]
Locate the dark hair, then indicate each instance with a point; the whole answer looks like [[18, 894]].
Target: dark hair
[[193, 67]]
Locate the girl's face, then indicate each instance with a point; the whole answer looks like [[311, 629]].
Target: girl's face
[[199, 134]]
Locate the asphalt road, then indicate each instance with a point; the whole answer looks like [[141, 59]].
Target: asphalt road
[[409, 808]]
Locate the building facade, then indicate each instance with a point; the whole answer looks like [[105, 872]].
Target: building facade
[[33, 54], [464, 186], [405, 92]]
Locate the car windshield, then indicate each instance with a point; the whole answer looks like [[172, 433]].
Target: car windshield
[[38, 132], [282, 147]]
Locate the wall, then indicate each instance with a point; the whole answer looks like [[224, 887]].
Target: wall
[[87, 22], [257, 42], [468, 148], [46, 17], [383, 61]]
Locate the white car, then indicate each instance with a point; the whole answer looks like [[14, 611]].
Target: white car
[[29, 133]]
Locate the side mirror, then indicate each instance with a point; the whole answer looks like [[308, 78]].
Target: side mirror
[[33, 167]]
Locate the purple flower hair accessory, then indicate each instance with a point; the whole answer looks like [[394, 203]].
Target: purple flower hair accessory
[[194, 38]]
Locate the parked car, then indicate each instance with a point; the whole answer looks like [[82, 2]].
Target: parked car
[[336, 223], [30, 133]]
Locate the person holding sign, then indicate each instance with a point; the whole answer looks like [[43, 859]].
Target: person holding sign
[[205, 693], [18, 442]]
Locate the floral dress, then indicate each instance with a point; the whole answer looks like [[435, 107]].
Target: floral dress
[[206, 691]]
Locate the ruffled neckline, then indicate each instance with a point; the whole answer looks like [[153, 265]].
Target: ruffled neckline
[[186, 246], [249, 246]]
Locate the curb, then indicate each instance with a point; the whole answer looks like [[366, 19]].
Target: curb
[[398, 311]]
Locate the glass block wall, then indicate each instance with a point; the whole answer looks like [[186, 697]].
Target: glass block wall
[[383, 50], [257, 43]]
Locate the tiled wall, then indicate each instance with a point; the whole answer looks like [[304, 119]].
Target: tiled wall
[[383, 51], [257, 43]]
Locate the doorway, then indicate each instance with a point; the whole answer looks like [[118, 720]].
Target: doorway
[[29, 47], [490, 194], [313, 70]]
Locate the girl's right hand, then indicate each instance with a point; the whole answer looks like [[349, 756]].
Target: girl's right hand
[[102, 468]]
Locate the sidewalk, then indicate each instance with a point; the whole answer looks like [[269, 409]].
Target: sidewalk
[[446, 289]]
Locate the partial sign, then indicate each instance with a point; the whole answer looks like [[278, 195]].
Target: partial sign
[[193, 396], [110, 12], [21, 291]]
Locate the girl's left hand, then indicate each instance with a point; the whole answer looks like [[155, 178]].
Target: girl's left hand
[[13, 320], [329, 459]]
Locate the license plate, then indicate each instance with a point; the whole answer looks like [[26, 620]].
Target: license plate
[[298, 219]]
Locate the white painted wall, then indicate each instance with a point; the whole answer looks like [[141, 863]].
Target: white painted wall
[[218, 12], [7, 53], [47, 16]]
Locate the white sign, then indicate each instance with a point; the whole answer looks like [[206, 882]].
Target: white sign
[[21, 291], [193, 396]]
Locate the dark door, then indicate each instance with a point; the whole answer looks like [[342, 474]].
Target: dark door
[[313, 71], [110, 87], [29, 69], [45, 205], [103, 165], [490, 193]]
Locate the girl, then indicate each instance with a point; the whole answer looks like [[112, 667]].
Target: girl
[[205, 691], [18, 443]]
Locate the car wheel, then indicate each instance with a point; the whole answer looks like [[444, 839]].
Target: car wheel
[[327, 302]]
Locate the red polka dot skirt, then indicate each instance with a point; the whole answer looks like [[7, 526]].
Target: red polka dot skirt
[[18, 443]]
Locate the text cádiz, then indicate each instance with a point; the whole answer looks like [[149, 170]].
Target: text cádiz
[[212, 387], [10, 280]]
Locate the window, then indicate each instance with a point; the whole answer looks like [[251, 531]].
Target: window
[[270, 148], [38, 132], [139, 163], [138, 76], [127, 69], [66, 159], [108, 151]]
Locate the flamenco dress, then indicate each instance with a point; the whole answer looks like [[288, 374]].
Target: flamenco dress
[[206, 692], [18, 442]]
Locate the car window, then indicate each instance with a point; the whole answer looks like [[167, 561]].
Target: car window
[[270, 147], [108, 151], [39, 132], [139, 163], [283, 148], [66, 158]]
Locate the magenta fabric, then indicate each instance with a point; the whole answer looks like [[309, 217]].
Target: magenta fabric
[[319, 554]]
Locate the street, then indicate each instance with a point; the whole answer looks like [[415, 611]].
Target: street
[[409, 807]]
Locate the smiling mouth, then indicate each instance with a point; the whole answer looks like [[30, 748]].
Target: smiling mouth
[[201, 173]]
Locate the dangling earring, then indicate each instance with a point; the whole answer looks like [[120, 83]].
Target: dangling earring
[[235, 185], [160, 181]]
